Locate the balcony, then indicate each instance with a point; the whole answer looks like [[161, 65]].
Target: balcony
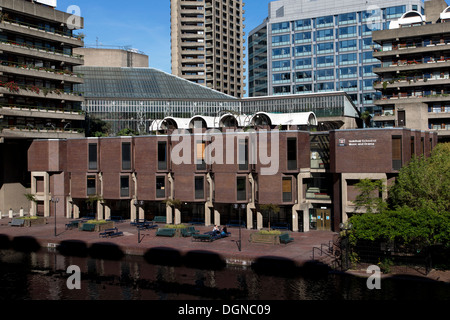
[[44, 133], [36, 32], [41, 112], [40, 52], [36, 92], [37, 72]]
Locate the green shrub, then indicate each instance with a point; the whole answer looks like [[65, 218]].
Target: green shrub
[[276, 232], [175, 226], [96, 221]]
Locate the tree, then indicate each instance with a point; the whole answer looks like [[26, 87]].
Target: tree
[[371, 195], [269, 208], [97, 127], [424, 182]]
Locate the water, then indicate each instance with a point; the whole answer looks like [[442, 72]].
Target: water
[[42, 276]]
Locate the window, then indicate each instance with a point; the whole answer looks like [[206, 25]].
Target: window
[[325, 34], [281, 52], [396, 152], [199, 185], [292, 154], [303, 76], [347, 45], [303, 63], [126, 156], [324, 21], [325, 61], [281, 40], [91, 189], [413, 147], [346, 32], [124, 186], [243, 154], [92, 150], [162, 155], [302, 37], [327, 47], [200, 156], [281, 65], [346, 18], [241, 193], [302, 50], [280, 27], [302, 24], [160, 187], [287, 189]]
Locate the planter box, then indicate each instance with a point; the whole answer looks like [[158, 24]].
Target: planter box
[[265, 238], [34, 222], [100, 226]]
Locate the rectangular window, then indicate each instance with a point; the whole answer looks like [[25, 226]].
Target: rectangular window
[[396, 152], [92, 156], [162, 155], [91, 189], [200, 156], [126, 156], [287, 189], [124, 186], [413, 147], [292, 154], [243, 154], [199, 183], [160, 187], [241, 194]]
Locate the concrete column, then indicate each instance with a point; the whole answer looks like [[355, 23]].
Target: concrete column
[[216, 218], [132, 210], [141, 213], [107, 211], [169, 214], [249, 220], [177, 215], [21, 212], [10, 213], [0, 214], [294, 221], [100, 215], [259, 220], [76, 211], [207, 214]]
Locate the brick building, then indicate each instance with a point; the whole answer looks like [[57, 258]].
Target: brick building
[[309, 175]]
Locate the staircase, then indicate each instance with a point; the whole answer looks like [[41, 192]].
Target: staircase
[[329, 253]]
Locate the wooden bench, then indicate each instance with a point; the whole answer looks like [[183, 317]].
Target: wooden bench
[[165, 232], [17, 222], [160, 219], [109, 233], [285, 238], [72, 224], [146, 225]]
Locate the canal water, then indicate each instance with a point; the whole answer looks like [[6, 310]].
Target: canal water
[[42, 275]]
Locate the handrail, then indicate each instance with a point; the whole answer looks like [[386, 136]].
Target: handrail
[[30, 108], [16, 87], [32, 67], [29, 25]]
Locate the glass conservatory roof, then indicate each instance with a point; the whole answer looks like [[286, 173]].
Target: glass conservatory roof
[[141, 83]]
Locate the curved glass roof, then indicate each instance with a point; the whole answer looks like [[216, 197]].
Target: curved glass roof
[[141, 83]]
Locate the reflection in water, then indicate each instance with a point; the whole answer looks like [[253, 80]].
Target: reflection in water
[[42, 276]]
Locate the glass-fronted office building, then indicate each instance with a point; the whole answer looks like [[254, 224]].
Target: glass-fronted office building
[[320, 46]]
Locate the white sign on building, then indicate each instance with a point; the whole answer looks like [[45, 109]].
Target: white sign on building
[[51, 3]]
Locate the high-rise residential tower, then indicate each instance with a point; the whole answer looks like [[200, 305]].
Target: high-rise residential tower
[[320, 45], [37, 97], [208, 43]]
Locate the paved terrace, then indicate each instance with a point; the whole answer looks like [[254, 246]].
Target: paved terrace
[[299, 251], [158, 249]]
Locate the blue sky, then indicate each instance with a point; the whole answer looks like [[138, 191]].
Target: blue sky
[[142, 24]]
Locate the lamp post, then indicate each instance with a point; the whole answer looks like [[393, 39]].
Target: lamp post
[[55, 201], [239, 207]]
